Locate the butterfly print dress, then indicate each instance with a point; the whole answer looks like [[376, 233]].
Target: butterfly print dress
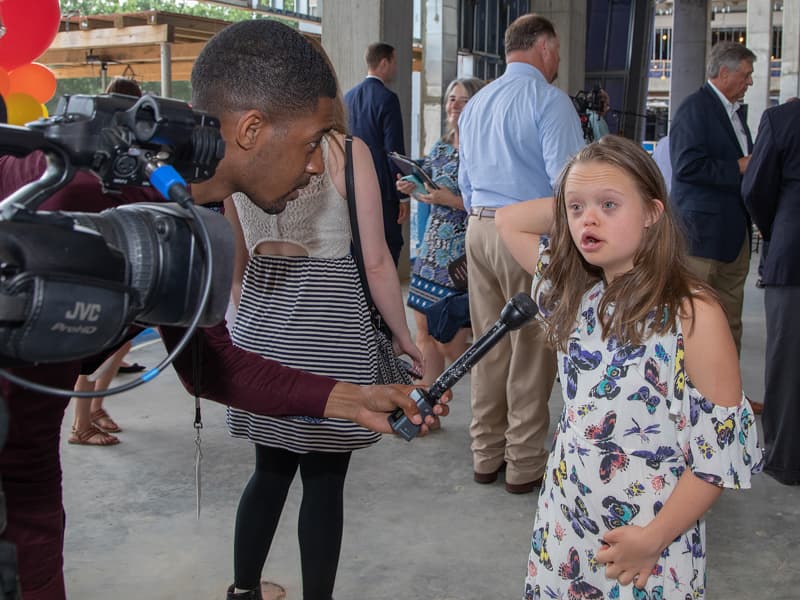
[[632, 423]]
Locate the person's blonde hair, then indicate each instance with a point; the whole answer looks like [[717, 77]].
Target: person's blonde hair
[[659, 282]]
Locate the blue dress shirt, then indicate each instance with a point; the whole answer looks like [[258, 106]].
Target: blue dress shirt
[[515, 136]]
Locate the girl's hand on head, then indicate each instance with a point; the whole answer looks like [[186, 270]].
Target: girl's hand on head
[[630, 555]]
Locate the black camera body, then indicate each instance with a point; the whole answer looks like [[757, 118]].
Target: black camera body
[[71, 283], [585, 101], [116, 136]]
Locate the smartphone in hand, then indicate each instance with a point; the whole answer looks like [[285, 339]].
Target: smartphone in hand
[[420, 188], [409, 368]]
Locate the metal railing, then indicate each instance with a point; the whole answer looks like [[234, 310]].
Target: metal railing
[[662, 69]]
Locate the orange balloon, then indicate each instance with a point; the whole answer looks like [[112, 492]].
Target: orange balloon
[[4, 83], [33, 79], [22, 108]]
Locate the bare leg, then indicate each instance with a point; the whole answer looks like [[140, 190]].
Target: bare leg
[[83, 432], [105, 374], [432, 358], [455, 347]]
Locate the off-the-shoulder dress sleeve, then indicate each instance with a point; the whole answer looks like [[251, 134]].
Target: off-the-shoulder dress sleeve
[[720, 443]]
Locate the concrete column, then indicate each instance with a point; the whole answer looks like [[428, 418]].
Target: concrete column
[[569, 20], [440, 65], [759, 40], [790, 52], [690, 41], [347, 30], [166, 69]]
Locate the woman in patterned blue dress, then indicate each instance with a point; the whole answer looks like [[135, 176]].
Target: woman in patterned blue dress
[[655, 423], [443, 241]]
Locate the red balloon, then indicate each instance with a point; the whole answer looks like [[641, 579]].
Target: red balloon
[[33, 79], [30, 28]]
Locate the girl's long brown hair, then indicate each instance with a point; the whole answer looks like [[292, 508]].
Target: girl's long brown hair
[[659, 282]]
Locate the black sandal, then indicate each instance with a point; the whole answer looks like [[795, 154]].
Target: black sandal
[[134, 368]]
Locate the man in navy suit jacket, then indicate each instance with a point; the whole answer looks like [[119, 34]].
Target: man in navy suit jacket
[[771, 190], [374, 115], [709, 146]]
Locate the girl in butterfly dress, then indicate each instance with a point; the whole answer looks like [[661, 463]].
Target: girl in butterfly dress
[[655, 423]]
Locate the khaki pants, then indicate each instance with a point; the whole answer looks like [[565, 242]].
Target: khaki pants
[[511, 385], [727, 279]]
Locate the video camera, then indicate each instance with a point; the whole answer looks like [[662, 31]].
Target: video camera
[[585, 101], [71, 283]]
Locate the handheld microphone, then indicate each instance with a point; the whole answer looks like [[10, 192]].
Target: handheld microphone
[[518, 311]]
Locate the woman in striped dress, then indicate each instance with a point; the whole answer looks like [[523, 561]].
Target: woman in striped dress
[[301, 303]]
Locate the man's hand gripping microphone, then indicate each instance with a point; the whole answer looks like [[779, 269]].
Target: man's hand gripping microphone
[[518, 311]]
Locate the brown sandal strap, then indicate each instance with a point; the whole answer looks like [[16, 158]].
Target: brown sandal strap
[[83, 437], [100, 413]]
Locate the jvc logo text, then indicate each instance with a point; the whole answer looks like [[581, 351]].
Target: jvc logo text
[[83, 312]]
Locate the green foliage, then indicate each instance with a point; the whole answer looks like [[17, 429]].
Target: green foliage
[[185, 7]]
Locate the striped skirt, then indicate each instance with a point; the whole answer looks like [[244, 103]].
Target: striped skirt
[[310, 314]]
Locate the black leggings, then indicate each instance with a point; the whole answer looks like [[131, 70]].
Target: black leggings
[[319, 527]]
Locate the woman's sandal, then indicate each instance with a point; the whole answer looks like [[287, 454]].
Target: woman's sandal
[[102, 420], [92, 437]]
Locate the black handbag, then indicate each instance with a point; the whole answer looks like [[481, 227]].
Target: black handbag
[[390, 369]]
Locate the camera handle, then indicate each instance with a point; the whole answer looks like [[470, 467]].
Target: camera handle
[[21, 141]]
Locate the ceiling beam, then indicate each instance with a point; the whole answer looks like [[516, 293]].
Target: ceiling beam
[[181, 71], [126, 54], [141, 35]]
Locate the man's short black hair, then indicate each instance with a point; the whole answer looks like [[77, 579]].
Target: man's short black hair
[[260, 64]]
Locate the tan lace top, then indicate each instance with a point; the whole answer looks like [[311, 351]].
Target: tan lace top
[[318, 220]]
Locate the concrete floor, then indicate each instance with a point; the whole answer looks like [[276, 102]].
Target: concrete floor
[[416, 526]]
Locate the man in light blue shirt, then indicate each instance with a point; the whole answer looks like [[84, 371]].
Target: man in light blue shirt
[[515, 136]]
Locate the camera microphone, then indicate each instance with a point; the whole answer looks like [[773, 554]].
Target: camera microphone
[[518, 311]]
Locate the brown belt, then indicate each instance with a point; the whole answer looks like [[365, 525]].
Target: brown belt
[[482, 212]]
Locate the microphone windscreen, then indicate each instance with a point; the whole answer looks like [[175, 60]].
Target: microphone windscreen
[[525, 304]]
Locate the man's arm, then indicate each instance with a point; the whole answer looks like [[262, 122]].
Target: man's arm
[[464, 182], [392, 121], [560, 134], [242, 379], [233, 376], [762, 180]]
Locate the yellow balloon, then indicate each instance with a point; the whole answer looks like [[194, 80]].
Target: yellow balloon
[[45, 113], [22, 108]]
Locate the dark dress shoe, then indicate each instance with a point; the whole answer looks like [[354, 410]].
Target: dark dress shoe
[[488, 477], [524, 488], [251, 595]]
